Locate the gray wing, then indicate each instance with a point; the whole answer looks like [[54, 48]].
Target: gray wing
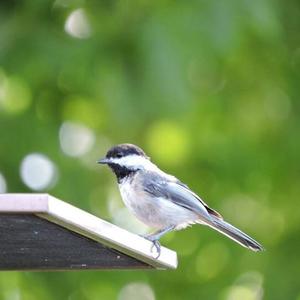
[[178, 193]]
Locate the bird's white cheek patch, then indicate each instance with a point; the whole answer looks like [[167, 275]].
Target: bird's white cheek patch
[[132, 161]]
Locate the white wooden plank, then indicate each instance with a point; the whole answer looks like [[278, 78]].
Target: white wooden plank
[[23, 203]]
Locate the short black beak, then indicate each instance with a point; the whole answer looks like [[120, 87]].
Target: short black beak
[[103, 161]]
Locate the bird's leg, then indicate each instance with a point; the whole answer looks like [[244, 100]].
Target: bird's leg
[[154, 238]]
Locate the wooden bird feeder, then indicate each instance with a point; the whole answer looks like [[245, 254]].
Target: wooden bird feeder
[[39, 232]]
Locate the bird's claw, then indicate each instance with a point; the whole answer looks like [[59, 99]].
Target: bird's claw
[[156, 245]]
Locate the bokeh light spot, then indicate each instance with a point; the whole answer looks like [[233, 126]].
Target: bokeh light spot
[[247, 287], [38, 172], [75, 139], [241, 292], [168, 143], [136, 291], [15, 95], [77, 24], [3, 185]]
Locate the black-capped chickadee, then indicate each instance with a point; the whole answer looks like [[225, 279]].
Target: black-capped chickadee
[[162, 201]]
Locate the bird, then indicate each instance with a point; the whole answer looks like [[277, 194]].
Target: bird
[[162, 201]]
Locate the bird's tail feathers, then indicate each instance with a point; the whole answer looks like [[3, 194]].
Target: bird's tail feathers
[[234, 234]]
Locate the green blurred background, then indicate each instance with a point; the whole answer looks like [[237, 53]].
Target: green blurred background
[[209, 89]]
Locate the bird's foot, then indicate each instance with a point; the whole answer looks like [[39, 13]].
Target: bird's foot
[[154, 237], [155, 245]]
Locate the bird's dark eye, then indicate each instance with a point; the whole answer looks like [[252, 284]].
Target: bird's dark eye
[[119, 155]]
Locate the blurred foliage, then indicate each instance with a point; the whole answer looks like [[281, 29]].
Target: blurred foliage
[[209, 89]]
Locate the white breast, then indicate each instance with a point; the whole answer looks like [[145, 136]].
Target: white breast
[[128, 195], [154, 212]]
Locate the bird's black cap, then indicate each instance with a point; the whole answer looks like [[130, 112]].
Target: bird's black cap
[[122, 150]]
